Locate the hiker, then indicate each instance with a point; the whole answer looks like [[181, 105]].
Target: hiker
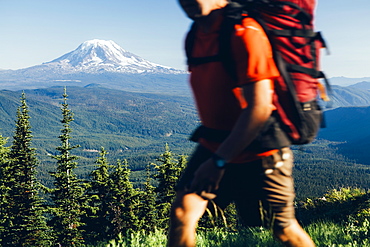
[[232, 167]]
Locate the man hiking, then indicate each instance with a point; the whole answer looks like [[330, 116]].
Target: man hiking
[[234, 167]]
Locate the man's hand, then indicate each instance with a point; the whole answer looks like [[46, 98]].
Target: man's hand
[[206, 179]]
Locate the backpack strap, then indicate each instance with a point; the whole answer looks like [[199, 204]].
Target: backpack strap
[[189, 45], [311, 36], [254, 6], [296, 107], [234, 15], [224, 54], [271, 135]]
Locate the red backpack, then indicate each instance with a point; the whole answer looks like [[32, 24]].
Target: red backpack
[[296, 47]]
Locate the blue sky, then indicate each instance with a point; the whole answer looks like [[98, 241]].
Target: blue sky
[[37, 31]]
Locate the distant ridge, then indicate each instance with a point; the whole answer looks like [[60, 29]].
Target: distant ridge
[[346, 81], [93, 85], [361, 85]]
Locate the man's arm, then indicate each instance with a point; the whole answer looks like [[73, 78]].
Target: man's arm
[[251, 120]]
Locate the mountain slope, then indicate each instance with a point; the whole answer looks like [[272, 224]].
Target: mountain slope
[[350, 127], [99, 56], [102, 62], [361, 85], [350, 96], [136, 126], [118, 120]]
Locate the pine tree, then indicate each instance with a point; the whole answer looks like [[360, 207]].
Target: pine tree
[[4, 189], [125, 201], [25, 223], [96, 221], [168, 173], [68, 193], [147, 211]]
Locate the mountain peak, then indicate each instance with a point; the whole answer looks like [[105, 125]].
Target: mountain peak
[[97, 56], [99, 42], [95, 43]]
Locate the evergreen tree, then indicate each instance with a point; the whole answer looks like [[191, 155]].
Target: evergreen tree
[[168, 172], [4, 189], [147, 211], [68, 193], [125, 201], [25, 223], [96, 221]]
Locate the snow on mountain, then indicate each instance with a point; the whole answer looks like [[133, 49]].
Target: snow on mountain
[[97, 56], [98, 62]]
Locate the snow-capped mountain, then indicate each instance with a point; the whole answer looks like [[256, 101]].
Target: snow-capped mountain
[[96, 56], [97, 62]]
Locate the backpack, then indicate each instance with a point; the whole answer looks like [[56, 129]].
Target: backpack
[[296, 47]]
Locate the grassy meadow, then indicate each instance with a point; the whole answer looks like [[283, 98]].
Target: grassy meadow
[[328, 234], [341, 218]]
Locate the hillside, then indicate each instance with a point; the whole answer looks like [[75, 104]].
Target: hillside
[[349, 126], [322, 166], [136, 126], [361, 85], [125, 123], [355, 95]]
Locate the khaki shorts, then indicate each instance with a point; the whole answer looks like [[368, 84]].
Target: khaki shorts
[[262, 190]]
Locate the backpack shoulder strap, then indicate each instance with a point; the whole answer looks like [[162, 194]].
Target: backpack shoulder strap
[[231, 17], [225, 46], [189, 46]]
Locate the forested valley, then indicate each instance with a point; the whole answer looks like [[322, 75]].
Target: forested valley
[[72, 182]]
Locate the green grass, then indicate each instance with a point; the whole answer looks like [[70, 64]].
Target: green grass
[[332, 234], [339, 219], [324, 234]]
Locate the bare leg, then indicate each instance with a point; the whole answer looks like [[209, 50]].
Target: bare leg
[[294, 236], [185, 214]]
